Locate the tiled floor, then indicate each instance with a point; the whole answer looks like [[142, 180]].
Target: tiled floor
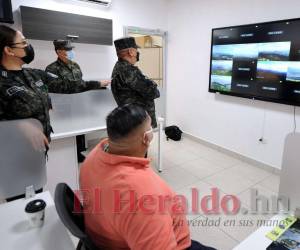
[[188, 164]]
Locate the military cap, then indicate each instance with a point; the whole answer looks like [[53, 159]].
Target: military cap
[[62, 45], [125, 43]]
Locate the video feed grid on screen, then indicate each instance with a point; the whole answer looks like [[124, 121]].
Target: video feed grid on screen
[[264, 62]]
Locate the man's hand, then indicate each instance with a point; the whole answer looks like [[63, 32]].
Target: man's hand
[[105, 83]]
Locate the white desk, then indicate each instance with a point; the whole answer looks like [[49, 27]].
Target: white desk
[[258, 239], [62, 165], [16, 233]]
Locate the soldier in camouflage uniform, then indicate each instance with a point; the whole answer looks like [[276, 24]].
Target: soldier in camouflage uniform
[[70, 75], [129, 85], [24, 95], [69, 72], [23, 91]]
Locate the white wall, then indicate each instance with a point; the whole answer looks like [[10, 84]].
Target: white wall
[[96, 61], [230, 122]]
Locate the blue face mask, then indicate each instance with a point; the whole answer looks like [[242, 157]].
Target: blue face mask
[[70, 55]]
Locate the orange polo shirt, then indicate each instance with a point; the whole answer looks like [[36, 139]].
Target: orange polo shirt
[[128, 206]]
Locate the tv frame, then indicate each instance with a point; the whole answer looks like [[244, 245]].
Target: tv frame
[[248, 96], [9, 19]]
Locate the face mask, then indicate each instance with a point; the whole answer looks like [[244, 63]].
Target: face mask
[[137, 56], [70, 55], [29, 51]]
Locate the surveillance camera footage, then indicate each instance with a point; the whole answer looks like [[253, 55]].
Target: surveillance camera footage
[[260, 61]]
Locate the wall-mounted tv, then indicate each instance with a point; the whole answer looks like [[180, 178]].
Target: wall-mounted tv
[[259, 61], [6, 14]]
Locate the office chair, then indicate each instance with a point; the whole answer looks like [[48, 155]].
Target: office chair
[[64, 202]]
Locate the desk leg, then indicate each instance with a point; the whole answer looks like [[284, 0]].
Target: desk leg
[[62, 165]]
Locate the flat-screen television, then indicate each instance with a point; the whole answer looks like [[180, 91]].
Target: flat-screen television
[[259, 61], [6, 14]]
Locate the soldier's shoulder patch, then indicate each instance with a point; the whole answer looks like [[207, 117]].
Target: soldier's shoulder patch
[[15, 89], [4, 73], [52, 75], [39, 83]]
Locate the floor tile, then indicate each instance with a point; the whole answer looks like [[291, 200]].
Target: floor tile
[[177, 177], [271, 183], [222, 160], [180, 156], [245, 197], [201, 168], [239, 226], [166, 164], [202, 190], [201, 150], [250, 172], [210, 235], [229, 182]]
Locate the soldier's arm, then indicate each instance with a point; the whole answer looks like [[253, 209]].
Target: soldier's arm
[[59, 84], [54, 82], [134, 78], [90, 85], [50, 68]]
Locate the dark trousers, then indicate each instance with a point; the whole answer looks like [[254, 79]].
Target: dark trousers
[[22, 196], [197, 246]]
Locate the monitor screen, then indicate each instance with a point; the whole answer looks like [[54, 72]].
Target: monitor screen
[[259, 61], [6, 15]]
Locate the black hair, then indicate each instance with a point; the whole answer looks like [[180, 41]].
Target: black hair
[[123, 120], [7, 37]]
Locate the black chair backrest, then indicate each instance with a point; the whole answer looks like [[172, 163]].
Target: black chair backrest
[[73, 220]]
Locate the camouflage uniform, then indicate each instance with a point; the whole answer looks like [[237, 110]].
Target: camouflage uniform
[[25, 96], [129, 85], [71, 78]]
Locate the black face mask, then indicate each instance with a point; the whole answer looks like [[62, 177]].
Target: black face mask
[[137, 56], [29, 51]]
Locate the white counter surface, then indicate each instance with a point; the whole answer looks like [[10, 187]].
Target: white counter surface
[[17, 234]]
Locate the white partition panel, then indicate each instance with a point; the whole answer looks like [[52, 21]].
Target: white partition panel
[[290, 172], [80, 112], [22, 157]]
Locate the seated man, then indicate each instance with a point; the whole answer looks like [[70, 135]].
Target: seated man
[[122, 194]]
